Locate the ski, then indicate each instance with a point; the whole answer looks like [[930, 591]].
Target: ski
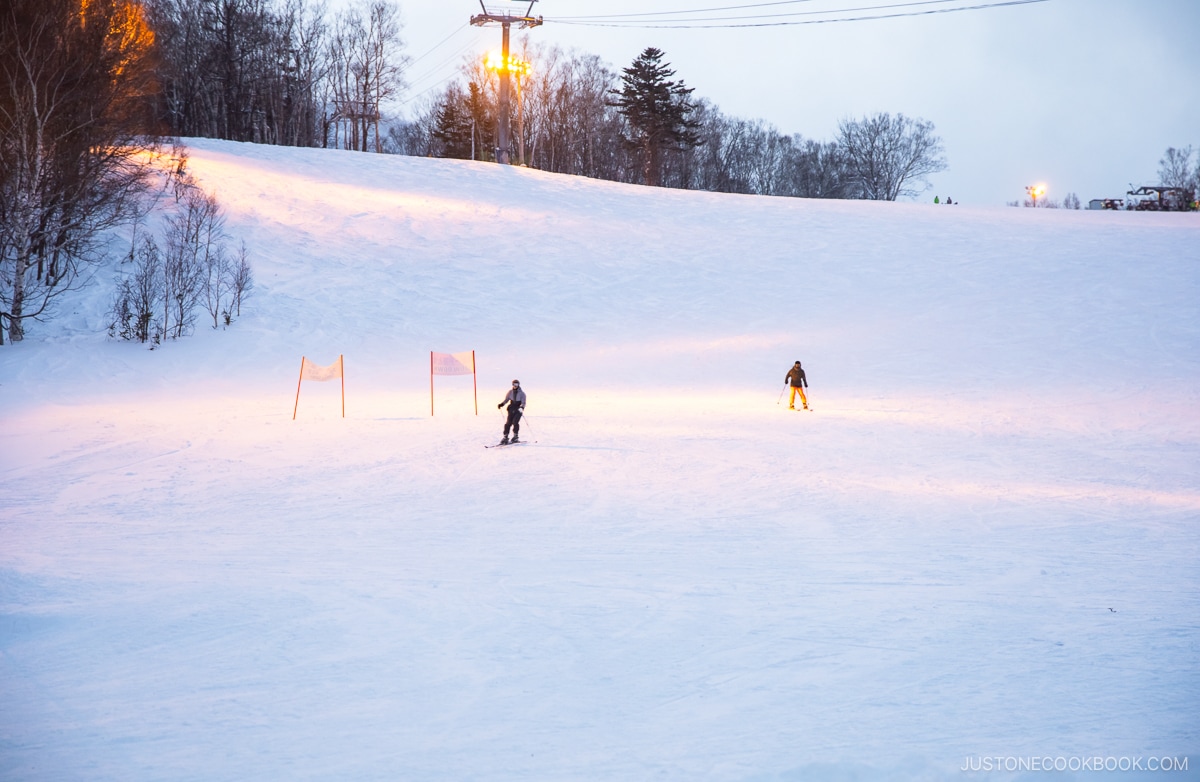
[[505, 445]]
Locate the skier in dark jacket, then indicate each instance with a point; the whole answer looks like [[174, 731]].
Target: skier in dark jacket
[[515, 399], [798, 381]]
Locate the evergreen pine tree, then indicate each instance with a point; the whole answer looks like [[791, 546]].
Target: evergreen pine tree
[[483, 122], [657, 110], [464, 125], [453, 127]]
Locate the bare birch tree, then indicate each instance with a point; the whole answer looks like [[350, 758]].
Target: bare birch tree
[[890, 156], [367, 70], [1175, 168]]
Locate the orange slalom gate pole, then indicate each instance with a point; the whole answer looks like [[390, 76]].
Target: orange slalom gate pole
[[296, 406]]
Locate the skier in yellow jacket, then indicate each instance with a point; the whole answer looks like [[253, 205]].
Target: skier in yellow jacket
[[798, 381]]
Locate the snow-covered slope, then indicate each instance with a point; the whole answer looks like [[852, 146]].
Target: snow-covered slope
[[982, 543]]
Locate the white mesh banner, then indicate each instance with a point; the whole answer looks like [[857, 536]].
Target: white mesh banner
[[313, 372], [453, 363]]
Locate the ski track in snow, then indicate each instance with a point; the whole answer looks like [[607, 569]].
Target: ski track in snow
[[982, 542]]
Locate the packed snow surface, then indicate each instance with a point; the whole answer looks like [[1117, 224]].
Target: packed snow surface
[[982, 545]]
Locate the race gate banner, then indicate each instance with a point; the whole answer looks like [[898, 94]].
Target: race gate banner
[[453, 363], [311, 371]]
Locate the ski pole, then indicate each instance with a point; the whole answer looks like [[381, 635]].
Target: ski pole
[[777, 401]]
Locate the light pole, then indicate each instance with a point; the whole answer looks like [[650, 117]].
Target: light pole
[[505, 20], [519, 68], [1035, 192]]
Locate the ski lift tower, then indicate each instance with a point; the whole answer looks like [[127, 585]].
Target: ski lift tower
[[505, 14]]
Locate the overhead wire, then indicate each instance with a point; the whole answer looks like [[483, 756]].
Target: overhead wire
[[741, 21], [658, 20], [690, 10], [438, 45], [435, 71], [908, 4]]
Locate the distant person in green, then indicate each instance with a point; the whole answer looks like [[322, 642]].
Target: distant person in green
[[798, 382]]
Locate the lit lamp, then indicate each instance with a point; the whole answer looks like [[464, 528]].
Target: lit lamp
[[517, 67], [1035, 192]]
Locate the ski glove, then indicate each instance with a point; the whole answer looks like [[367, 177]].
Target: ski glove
[[499, 405]]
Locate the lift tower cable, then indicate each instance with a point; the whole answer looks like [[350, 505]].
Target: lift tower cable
[[505, 20]]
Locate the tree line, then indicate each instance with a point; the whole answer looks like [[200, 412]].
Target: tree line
[[278, 71], [286, 72], [289, 72], [81, 152], [576, 115]]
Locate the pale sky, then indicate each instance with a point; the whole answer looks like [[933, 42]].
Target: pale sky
[[1083, 95]]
